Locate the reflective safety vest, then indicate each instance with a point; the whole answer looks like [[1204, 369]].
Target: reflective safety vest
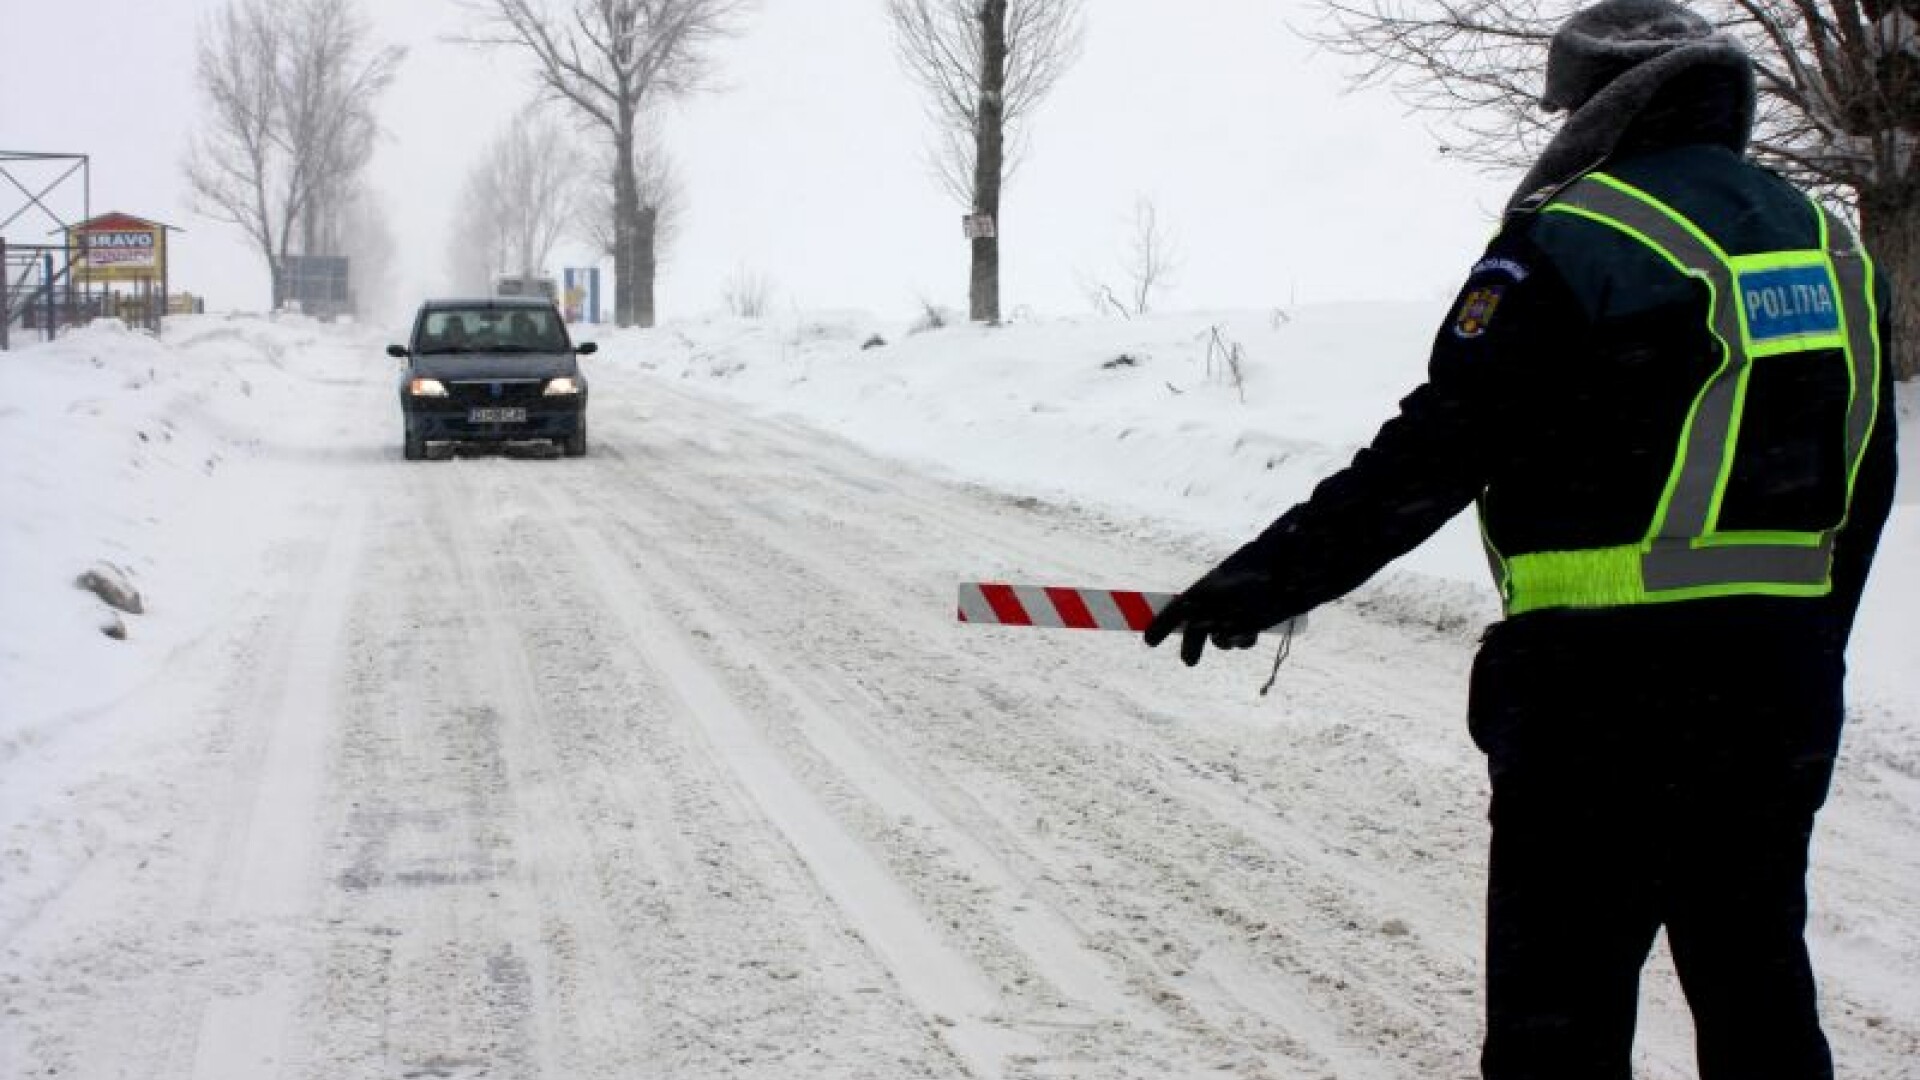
[[1768, 308]]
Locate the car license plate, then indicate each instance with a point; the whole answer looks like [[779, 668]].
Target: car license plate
[[497, 416]]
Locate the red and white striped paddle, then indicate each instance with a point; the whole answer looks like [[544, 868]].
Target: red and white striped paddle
[[987, 603]]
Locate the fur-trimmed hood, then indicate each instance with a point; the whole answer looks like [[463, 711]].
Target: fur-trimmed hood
[[1609, 62]]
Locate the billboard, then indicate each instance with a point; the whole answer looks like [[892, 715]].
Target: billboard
[[316, 284], [118, 247], [581, 297]]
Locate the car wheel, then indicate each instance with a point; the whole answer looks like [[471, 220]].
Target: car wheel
[[575, 445], [414, 448]]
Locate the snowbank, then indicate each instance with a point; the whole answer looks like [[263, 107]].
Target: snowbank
[[154, 458], [1156, 415]]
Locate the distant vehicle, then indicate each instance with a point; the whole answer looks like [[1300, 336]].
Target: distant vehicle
[[492, 370], [515, 285]]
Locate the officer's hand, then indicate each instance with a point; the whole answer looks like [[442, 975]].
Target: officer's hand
[[1229, 607]]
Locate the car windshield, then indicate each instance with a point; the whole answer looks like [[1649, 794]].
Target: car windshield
[[484, 329]]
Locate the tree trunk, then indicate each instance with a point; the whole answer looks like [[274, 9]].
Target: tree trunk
[[645, 264], [626, 229], [1890, 227], [280, 283], [989, 135], [310, 230]]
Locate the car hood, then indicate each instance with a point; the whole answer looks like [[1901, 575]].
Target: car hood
[[518, 365]]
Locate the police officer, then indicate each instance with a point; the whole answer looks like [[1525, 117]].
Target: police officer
[[1667, 387]]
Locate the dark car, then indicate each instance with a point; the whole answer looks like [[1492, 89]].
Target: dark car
[[493, 370]]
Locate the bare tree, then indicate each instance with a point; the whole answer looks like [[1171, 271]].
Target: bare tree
[[520, 198], [748, 293], [1151, 258], [1839, 111], [1146, 268], [985, 64], [291, 87], [1100, 295], [608, 60], [657, 191]]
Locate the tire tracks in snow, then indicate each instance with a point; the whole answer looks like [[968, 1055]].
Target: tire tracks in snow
[[267, 876], [657, 924], [824, 586], [944, 983]]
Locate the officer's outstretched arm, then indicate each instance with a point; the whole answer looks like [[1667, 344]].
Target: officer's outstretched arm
[[1422, 467]]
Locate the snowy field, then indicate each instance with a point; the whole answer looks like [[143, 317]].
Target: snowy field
[[671, 761]]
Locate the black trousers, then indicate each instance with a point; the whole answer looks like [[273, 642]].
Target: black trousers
[[1654, 769]]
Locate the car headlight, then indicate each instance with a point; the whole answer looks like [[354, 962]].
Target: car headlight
[[426, 388], [563, 386]]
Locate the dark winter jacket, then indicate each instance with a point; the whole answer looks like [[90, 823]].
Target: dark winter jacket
[[1556, 394]]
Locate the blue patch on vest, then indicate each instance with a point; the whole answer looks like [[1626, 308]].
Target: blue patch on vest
[[1795, 301]]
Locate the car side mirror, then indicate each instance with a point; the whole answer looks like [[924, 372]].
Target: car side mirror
[[587, 348], [398, 352]]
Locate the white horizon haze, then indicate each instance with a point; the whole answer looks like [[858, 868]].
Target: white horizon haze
[[809, 164]]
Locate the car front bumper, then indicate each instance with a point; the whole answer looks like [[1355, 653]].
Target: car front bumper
[[437, 420]]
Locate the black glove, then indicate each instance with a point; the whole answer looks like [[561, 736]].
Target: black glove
[[1230, 605]]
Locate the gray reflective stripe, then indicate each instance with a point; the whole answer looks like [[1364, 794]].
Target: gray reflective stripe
[[1856, 289], [1496, 562], [974, 607], [1703, 459], [1677, 566], [1106, 613], [1039, 607]]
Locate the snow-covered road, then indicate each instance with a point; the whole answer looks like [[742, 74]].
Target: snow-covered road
[[672, 762]]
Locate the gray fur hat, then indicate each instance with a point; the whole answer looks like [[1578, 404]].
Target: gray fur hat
[[1600, 43], [1609, 62]]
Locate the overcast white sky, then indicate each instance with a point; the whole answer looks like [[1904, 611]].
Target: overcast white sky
[[811, 166]]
